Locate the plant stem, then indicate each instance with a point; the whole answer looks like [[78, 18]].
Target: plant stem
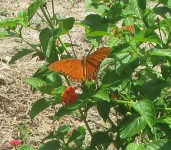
[[42, 18], [87, 125], [65, 48], [84, 119], [122, 102], [67, 80], [90, 51], [111, 122], [167, 109], [72, 45], [47, 19], [53, 11]]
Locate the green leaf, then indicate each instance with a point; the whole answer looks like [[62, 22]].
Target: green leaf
[[112, 79], [132, 126], [142, 4], [60, 133], [112, 41], [103, 108], [163, 11], [147, 35], [164, 119], [64, 129], [34, 7], [54, 80], [59, 90], [166, 71], [39, 106], [78, 136], [67, 24], [94, 6], [152, 88], [99, 138], [62, 112], [4, 34], [26, 147], [20, 54], [91, 20], [102, 94], [51, 145], [146, 109], [134, 146], [164, 2], [123, 60], [46, 39], [35, 82], [23, 16], [106, 62], [135, 7], [160, 145], [98, 33], [9, 22], [161, 52]]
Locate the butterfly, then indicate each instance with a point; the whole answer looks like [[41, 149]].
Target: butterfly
[[81, 70]]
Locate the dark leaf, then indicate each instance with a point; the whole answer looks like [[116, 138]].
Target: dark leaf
[[39, 106]]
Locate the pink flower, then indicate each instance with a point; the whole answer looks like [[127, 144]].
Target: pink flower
[[15, 142]]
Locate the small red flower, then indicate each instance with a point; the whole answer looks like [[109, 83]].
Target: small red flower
[[114, 31], [69, 133], [130, 28], [137, 74], [15, 142], [69, 96]]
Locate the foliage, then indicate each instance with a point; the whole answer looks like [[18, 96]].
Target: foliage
[[136, 82]]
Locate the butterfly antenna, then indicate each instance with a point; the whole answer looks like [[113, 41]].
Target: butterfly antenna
[[72, 45], [90, 50]]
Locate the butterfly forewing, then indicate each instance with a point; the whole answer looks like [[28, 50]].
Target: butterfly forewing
[[93, 61], [71, 67]]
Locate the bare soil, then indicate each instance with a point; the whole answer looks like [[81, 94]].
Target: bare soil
[[16, 97]]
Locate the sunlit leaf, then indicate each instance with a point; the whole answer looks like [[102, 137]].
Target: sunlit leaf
[[146, 109], [132, 126]]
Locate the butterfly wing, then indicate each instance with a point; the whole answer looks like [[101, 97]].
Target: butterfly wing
[[93, 61], [71, 67]]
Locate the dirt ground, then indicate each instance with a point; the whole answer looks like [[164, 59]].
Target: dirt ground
[[15, 95]]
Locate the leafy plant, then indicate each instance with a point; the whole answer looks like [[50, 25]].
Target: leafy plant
[[136, 82]]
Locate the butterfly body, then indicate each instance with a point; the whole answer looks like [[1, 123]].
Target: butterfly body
[[80, 70]]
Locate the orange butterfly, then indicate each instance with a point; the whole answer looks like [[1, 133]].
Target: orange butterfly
[[80, 70]]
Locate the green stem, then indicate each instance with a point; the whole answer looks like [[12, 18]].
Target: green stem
[[72, 45], [90, 50], [42, 18], [65, 48], [53, 11], [84, 119], [167, 109], [47, 19], [87, 126], [122, 102], [67, 80], [136, 51], [111, 122]]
